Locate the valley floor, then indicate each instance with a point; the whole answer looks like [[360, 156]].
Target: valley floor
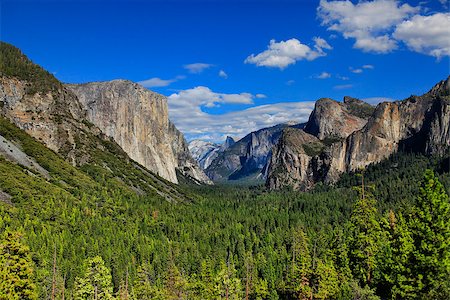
[[78, 239]]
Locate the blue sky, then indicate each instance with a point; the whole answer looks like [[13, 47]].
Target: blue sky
[[215, 60]]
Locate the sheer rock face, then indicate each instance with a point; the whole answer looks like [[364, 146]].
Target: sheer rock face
[[54, 118], [337, 119], [293, 162], [246, 157], [185, 163], [137, 120], [204, 152], [419, 124]]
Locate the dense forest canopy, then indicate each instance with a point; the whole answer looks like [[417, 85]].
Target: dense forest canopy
[[93, 238]]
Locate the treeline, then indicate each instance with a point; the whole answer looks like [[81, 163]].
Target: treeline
[[372, 256]]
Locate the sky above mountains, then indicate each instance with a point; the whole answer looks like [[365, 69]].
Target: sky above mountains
[[231, 67]]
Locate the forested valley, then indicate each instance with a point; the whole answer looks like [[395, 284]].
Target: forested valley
[[379, 234]]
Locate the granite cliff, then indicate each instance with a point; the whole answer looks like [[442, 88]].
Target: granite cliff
[[247, 157], [138, 120], [77, 120], [343, 137], [205, 152]]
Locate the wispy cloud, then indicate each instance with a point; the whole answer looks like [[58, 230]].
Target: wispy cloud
[[223, 74], [186, 111], [356, 71], [342, 77], [284, 53], [290, 82], [361, 69], [343, 86], [260, 96], [158, 82], [323, 75], [197, 68]]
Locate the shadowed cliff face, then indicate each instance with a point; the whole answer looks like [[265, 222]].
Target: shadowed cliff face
[[137, 119], [247, 157], [351, 140]]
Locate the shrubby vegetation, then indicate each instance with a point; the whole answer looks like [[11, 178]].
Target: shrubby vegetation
[[13, 63], [86, 234]]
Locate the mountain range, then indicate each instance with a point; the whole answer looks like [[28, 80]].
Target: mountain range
[[339, 137], [89, 123], [110, 126]]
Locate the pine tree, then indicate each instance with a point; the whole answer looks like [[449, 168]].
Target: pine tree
[[430, 228], [95, 283], [366, 238], [327, 280], [298, 277], [396, 280], [228, 286], [176, 284], [144, 288], [16, 271]]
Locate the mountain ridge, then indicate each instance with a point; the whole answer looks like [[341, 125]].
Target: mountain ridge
[[418, 123]]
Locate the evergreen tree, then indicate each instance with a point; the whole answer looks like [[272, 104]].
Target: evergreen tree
[[176, 285], [327, 280], [16, 271], [95, 283], [298, 277], [144, 288], [430, 227], [365, 238], [396, 279], [228, 286]]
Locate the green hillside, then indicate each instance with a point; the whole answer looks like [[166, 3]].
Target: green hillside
[[228, 235]]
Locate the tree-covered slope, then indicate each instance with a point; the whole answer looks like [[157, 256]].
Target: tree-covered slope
[[226, 237]]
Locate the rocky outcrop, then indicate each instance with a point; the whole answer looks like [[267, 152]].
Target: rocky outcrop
[[185, 163], [295, 161], [137, 120], [53, 117], [417, 124], [332, 119], [229, 142], [204, 152], [247, 157]]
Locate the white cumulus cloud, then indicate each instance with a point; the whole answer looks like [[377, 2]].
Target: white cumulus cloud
[[426, 34], [284, 53], [370, 23], [185, 110]]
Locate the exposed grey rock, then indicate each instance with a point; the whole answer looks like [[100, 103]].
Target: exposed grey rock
[[13, 153], [229, 141], [246, 157], [294, 160], [137, 120], [334, 119], [418, 124], [54, 118], [185, 163], [204, 152]]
